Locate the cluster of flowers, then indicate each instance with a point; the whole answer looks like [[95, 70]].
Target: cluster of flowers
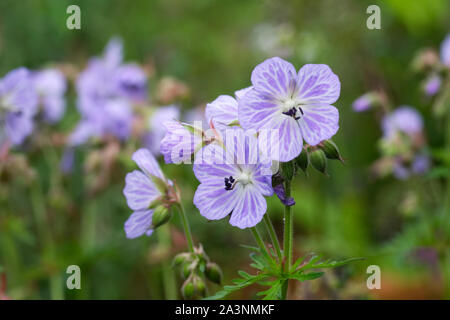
[[234, 159], [26, 94], [403, 143]]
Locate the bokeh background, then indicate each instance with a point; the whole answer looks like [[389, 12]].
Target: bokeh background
[[212, 47]]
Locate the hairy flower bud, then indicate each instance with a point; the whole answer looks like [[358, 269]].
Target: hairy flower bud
[[187, 290], [213, 272], [182, 258], [319, 161], [161, 215], [199, 286], [331, 150], [302, 161]]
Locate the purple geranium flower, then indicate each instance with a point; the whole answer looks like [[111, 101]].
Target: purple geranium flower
[[298, 105], [140, 191], [445, 51], [403, 119], [363, 103], [132, 82], [18, 105], [233, 181], [419, 165], [51, 86]]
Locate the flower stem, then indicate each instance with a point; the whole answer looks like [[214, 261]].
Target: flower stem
[[273, 236], [186, 227], [261, 245], [288, 237]]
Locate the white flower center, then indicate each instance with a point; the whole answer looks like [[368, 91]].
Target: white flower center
[[288, 105], [245, 178]]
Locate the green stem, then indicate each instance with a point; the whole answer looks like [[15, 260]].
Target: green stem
[[288, 237], [186, 227], [170, 289], [261, 245], [273, 236]]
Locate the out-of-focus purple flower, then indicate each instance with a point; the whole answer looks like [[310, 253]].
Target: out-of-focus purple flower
[[106, 91], [18, 105], [233, 181], [363, 103], [421, 164], [140, 191], [51, 86], [445, 51], [403, 119], [158, 129], [432, 85], [297, 105], [68, 160], [132, 82]]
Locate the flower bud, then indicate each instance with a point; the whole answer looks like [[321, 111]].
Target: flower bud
[[331, 150], [302, 160], [187, 290], [186, 270], [319, 161], [199, 286], [160, 216], [213, 272], [182, 258]]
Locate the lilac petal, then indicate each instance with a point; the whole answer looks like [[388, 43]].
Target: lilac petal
[[222, 111], [263, 181], [445, 51], [54, 108], [139, 190], [281, 194], [257, 111], [275, 78], [363, 103], [147, 162], [18, 127], [250, 208], [82, 133], [318, 123], [240, 93], [178, 144], [432, 85], [214, 202], [138, 224], [113, 55], [290, 142], [317, 84], [211, 166], [421, 164]]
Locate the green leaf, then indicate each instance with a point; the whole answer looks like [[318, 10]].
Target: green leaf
[[300, 276], [274, 291], [238, 285]]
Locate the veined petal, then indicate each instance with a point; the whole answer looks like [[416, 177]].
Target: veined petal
[[139, 190], [290, 142], [222, 111], [250, 208], [263, 181], [275, 78], [214, 202], [139, 223], [257, 110], [240, 93], [210, 165], [145, 160], [317, 84], [319, 122]]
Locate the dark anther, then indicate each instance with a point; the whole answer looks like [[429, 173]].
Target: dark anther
[[229, 183], [292, 113]]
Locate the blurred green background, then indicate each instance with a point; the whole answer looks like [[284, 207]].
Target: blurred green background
[[212, 46]]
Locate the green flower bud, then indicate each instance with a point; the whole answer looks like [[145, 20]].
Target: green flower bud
[[331, 150], [287, 170], [182, 258], [186, 270], [319, 161], [199, 286], [160, 216], [187, 290], [213, 272], [302, 160]]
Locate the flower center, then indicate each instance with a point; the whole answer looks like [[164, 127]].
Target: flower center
[[244, 178], [292, 109]]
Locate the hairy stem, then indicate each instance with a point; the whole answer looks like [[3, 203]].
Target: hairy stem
[[273, 236], [288, 236]]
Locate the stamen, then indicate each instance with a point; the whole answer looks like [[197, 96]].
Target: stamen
[[230, 183]]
